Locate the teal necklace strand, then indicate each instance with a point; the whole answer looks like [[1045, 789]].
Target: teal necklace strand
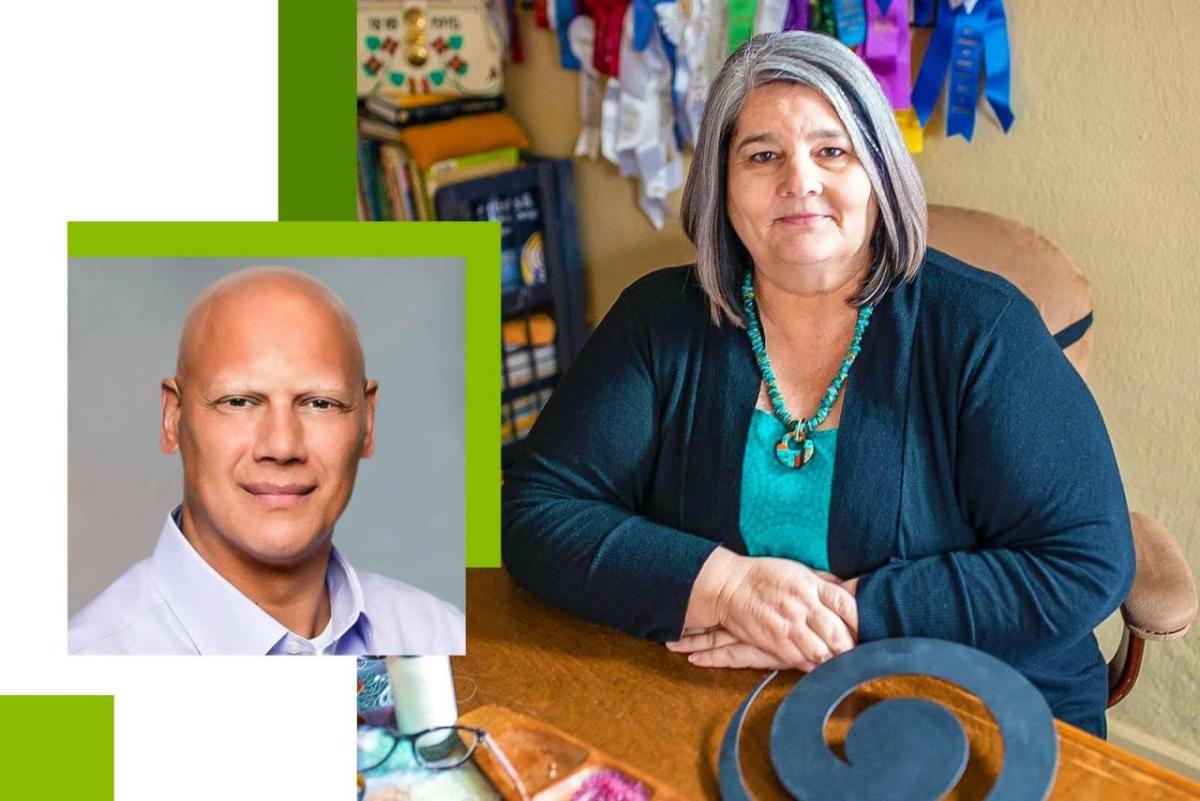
[[795, 449]]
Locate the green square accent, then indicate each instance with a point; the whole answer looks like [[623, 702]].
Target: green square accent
[[477, 243], [318, 176], [56, 746]]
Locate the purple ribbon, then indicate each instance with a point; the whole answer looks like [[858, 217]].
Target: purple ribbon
[[887, 50], [797, 16]]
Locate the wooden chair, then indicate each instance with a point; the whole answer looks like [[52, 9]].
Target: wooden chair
[[1163, 603]]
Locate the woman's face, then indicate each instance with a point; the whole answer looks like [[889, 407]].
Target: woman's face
[[798, 197]]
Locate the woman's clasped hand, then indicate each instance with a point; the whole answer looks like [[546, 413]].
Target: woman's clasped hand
[[767, 613]]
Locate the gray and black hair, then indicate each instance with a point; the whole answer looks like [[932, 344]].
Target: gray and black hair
[[830, 68]]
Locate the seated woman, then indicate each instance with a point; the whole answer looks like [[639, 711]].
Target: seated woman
[[823, 433]]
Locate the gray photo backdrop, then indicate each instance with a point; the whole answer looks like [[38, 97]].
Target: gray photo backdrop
[[406, 519]]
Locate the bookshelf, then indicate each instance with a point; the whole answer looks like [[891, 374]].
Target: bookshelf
[[408, 171], [535, 205]]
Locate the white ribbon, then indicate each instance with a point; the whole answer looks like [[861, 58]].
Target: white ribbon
[[637, 123], [770, 15], [581, 33], [691, 34]]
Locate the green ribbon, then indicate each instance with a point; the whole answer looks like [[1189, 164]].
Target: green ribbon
[[741, 22], [822, 19]]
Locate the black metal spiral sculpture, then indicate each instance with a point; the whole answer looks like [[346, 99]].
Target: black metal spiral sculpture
[[901, 748]]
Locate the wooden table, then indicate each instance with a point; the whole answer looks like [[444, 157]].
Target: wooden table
[[635, 700]]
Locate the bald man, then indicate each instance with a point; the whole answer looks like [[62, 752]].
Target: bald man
[[270, 410]]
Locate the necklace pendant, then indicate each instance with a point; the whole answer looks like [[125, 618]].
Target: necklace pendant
[[792, 452]]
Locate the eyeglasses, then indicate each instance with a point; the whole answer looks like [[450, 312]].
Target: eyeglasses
[[436, 748]]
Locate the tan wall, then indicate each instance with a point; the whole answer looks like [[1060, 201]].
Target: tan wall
[[1105, 160]]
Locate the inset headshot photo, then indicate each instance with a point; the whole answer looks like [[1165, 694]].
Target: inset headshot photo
[[266, 456]]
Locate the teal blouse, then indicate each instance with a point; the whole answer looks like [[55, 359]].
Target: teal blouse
[[784, 511]]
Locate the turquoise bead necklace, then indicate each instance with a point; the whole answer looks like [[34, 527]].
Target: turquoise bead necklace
[[795, 449]]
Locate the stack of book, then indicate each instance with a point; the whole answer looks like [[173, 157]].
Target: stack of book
[[528, 374], [399, 174]]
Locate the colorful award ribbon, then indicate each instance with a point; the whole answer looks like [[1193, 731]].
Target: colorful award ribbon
[[998, 63], [910, 129], [644, 22], [581, 33], [770, 15], [564, 12], [797, 16], [686, 26], [923, 13], [672, 55], [637, 133], [851, 21], [781, 15], [609, 16], [741, 22], [821, 19], [887, 51], [968, 35], [966, 62]]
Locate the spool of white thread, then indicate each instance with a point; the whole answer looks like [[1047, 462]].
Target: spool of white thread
[[424, 692]]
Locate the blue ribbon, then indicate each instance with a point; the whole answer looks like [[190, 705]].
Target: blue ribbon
[[933, 69], [963, 43], [923, 13], [677, 99], [884, 5], [851, 20], [966, 64], [644, 21], [564, 12], [998, 63]]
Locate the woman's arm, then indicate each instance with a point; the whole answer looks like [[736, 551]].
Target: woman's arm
[[573, 535], [571, 532], [1039, 484]]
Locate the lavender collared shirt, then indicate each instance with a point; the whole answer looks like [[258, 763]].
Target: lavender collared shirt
[[176, 603]]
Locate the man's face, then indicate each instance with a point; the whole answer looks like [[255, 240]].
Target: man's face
[[271, 416]]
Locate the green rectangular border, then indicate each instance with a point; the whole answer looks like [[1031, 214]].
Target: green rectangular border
[[317, 110], [56, 746], [478, 243]]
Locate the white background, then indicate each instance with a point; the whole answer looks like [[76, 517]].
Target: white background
[[136, 110]]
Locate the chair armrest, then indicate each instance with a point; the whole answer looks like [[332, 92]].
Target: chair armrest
[[1162, 604]]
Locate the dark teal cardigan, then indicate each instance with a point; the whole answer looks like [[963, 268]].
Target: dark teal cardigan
[[975, 490]]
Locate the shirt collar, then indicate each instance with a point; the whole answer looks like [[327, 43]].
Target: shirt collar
[[219, 619]]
